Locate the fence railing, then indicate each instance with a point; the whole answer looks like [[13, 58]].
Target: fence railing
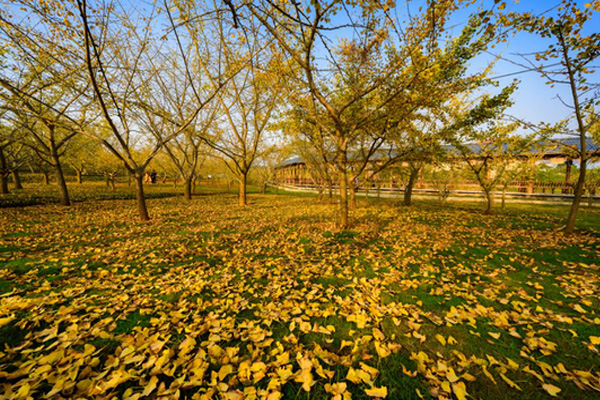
[[532, 187]]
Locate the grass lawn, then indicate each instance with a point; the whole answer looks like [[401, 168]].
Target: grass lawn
[[210, 300]]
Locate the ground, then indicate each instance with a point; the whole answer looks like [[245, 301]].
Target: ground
[[271, 301]]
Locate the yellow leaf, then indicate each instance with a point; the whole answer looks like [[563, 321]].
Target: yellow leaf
[[512, 365], [460, 391], [446, 387], [306, 378], [377, 334], [561, 368], [551, 389], [370, 370], [273, 395], [352, 376], [495, 335], [346, 343], [150, 386], [579, 309], [115, 380], [23, 392], [510, 383], [441, 339], [51, 358], [382, 350], [487, 373], [595, 340], [336, 388], [224, 371], [377, 392], [451, 375], [468, 377], [6, 320]]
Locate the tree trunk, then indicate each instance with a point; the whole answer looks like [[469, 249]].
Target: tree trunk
[[46, 175], [343, 181], [17, 179], [4, 184], [352, 193], [187, 187], [503, 198], [490, 201], [242, 190], [3, 173], [60, 177], [414, 173], [139, 195], [579, 188], [79, 175]]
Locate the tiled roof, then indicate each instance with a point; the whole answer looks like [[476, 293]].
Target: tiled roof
[[554, 147]]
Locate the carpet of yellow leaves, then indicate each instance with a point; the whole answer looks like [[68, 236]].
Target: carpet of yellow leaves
[[209, 300]]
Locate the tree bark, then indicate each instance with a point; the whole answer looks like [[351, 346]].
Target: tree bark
[[17, 179], [414, 173], [60, 177], [46, 176], [188, 187], [490, 201], [352, 195], [139, 195], [579, 187], [242, 190], [79, 175], [3, 173], [343, 181], [578, 194]]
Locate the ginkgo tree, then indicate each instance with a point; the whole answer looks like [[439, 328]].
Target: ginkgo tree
[[575, 50], [353, 81], [490, 153], [40, 93], [116, 82], [123, 82], [248, 104]]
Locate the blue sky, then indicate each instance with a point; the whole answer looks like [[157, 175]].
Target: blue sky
[[535, 101]]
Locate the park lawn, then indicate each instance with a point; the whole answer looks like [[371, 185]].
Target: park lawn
[[212, 300]]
